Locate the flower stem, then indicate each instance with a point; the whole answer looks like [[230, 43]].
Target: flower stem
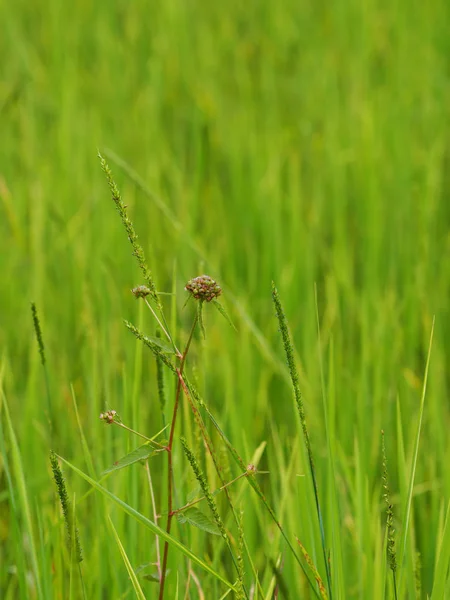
[[186, 506], [169, 450], [152, 442]]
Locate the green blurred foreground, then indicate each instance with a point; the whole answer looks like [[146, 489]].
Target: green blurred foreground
[[298, 142]]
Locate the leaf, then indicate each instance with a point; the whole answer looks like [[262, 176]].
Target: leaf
[[158, 342], [194, 494], [141, 453], [224, 313], [146, 522], [131, 573], [154, 577], [442, 561], [407, 514], [195, 517]]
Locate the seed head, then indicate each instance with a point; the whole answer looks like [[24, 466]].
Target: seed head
[[203, 288], [141, 291], [109, 416]]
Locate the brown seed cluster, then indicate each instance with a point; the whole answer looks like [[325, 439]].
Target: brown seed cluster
[[141, 291], [109, 416], [204, 288]]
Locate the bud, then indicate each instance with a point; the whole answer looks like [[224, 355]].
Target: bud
[[109, 416], [203, 288]]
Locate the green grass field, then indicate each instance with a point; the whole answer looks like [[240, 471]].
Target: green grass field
[[297, 142]]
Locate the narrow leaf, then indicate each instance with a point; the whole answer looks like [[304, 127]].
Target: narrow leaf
[[159, 342], [443, 561], [153, 577], [407, 515], [195, 517], [134, 580], [141, 453], [224, 313]]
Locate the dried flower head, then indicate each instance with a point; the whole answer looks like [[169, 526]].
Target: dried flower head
[[141, 291], [203, 288], [109, 416]]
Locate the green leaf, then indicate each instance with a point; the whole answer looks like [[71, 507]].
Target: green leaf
[[407, 514], [158, 342], [442, 562], [143, 520], [194, 494], [153, 577], [141, 453], [195, 517], [131, 573], [224, 313]]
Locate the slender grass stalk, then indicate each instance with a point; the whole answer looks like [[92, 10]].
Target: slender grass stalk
[[289, 350], [40, 341], [73, 538], [240, 557], [138, 252], [312, 566], [391, 546]]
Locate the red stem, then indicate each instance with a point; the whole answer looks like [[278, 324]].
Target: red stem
[[170, 466]]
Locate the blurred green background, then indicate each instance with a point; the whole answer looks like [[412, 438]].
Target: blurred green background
[[302, 142]]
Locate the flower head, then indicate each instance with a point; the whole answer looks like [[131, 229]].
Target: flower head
[[109, 416], [203, 288], [141, 291]]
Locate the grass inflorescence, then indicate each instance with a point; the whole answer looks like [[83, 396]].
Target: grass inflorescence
[[391, 543], [73, 537]]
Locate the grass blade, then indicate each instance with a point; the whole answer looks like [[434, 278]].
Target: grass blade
[[22, 496], [443, 562], [407, 514], [134, 580], [149, 524]]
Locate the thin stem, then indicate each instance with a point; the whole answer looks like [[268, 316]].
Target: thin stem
[[152, 442], [155, 516], [169, 450], [163, 329], [83, 588], [186, 506]]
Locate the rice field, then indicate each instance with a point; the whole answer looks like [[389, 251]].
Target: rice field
[[299, 155]]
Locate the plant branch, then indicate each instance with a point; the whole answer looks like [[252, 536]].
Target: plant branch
[[170, 461]]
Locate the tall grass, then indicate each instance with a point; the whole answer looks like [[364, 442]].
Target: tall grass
[[299, 143]]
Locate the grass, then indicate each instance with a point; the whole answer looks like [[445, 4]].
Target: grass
[[295, 143]]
